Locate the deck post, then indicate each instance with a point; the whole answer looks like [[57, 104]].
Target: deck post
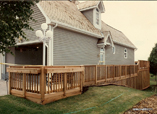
[[96, 74], [9, 83], [125, 71], [113, 72], [120, 71], [65, 83], [106, 73], [24, 85], [81, 77], [42, 89]]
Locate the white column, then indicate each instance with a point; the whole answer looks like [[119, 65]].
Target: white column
[[44, 51], [3, 66], [104, 55], [51, 49]]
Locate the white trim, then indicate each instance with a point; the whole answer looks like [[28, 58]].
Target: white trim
[[88, 8], [124, 45], [114, 51], [42, 11], [50, 49], [3, 66], [103, 8], [29, 42], [68, 27], [103, 55], [92, 7], [94, 19], [109, 36]]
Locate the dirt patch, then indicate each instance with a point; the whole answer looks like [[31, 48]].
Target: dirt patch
[[146, 106]]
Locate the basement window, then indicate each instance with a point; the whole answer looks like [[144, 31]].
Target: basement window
[[125, 53]]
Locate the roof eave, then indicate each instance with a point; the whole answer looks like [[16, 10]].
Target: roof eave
[[68, 27], [133, 47], [103, 7], [84, 9]]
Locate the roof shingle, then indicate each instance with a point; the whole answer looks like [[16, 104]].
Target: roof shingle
[[87, 4], [117, 35]]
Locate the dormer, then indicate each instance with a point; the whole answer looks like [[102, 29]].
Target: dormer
[[92, 11]]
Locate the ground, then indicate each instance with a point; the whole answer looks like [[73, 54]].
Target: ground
[[97, 100], [150, 103], [146, 106]]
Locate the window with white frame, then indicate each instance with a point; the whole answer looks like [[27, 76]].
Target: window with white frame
[[113, 49], [125, 53], [97, 16], [101, 55]]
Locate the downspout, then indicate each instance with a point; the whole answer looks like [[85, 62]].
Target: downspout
[[51, 45]]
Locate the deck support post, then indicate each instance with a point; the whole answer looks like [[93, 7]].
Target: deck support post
[[9, 83], [65, 83], [113, 72], [81, 81], [42, 83], [24, 84], [96, 74]]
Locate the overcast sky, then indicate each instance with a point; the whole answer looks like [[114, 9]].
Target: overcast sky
[[137, 20]]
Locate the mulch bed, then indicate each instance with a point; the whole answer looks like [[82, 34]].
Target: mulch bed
[[146, 106]]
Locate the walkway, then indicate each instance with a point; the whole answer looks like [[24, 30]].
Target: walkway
[[3, 88]]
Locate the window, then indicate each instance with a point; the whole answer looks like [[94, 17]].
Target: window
[[101, 55], [113, 49], [125, 53], [97, 16]]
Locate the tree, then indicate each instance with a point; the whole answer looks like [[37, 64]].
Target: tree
[[14, 17], [153, 60]]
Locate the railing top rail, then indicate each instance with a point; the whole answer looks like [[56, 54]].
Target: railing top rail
[[64, 70], [69, 66], [24, 70]]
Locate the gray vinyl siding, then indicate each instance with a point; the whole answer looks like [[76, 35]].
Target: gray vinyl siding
[[89, 15], [9, 58], [38, 16], [118, 57], [71, 48]]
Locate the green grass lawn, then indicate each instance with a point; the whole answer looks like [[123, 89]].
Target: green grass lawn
[[97, 100], [152, 80]]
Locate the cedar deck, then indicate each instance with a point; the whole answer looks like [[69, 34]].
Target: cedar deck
[[50, 83]]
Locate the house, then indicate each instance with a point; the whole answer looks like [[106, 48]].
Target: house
[[79, 37]]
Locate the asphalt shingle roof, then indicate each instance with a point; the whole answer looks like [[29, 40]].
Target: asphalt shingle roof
[[67, 12], [117, 35]]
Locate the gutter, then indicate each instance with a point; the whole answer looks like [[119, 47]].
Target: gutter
[[84, 9], [125, 45], [69, 27], [28, 42]]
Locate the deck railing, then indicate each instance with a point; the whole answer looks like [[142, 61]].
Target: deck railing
[[44, 84], [134, 76]]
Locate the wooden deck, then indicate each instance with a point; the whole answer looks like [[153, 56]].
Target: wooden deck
[[50, 83]]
